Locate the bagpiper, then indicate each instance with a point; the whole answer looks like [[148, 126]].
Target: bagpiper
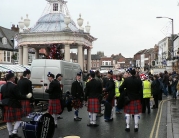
[[92, 94], [25, 86], [54, 107], [78, 95], [12, 107]]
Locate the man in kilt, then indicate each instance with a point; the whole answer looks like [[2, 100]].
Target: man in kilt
[[54, 107], [78, 95], [12, 106], [58, 80], [110, 93], [133, 90], [25, 86], [93, 92]]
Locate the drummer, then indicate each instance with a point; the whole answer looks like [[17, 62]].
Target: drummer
[[12, 105], [54, 107]]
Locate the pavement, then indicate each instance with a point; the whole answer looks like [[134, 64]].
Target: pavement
[[173, 118]]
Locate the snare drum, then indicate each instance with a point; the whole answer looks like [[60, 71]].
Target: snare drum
[[40, 126]]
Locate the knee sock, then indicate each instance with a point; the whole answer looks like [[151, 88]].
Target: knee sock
[[136, 119], [16, 126], [94, 117], [75, 113], [9, 127], [127, 117], [55, 118], [90, 118]]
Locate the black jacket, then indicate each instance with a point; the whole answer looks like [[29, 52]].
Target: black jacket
[[155, 87], [53, 90], [10, 91], [133, 88], [60, 92], [110, 89], [77, 90], [93, 89]]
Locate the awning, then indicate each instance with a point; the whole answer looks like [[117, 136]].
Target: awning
[[13, 68]]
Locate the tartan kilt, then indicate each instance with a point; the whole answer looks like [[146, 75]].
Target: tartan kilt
[[26, 107], [93, 105], [76, 103], [54, 106], [134, 107], [12, 114]]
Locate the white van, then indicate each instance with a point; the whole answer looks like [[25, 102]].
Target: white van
[[40, 69]]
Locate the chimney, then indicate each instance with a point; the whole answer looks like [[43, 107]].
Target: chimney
[[15, 29]]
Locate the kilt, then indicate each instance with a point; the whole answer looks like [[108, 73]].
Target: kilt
[[76, 103], [12, 114], [93, 105], [26, 107], [54, 106], [134, 107]]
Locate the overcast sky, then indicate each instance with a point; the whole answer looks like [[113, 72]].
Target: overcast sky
[[121, 26]]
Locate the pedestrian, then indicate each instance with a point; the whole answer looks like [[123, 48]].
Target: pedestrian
[[92, 94], [146, 95], [58, 80], [174, 87], [12, 106], [118, 82], [133, 92], [54, 107], [156, 88], [24, 86], [166, 82], [110, 93], [78, 95], [98, 78]]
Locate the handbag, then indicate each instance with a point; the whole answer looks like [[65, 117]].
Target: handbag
[[126, 100], [5, 101]]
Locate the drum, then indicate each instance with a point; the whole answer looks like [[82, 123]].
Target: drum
[[38, 125]]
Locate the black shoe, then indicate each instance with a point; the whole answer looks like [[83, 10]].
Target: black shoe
[[136, 129], [127, 129], [59, 117], [15, 136], [56, 126], [77, 119], [95, 125], [109, 120], [10, 136], [89, 124]]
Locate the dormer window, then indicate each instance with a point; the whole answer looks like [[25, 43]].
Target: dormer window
[[4, 40], [55, 6]]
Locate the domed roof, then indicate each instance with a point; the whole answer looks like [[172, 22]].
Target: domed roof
[[53, 22]]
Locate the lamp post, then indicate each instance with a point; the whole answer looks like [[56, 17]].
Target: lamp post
[[172, 50]]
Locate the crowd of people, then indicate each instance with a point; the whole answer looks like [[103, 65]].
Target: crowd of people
[[129, 92]]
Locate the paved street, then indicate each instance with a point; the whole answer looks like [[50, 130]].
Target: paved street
[[115, 129]]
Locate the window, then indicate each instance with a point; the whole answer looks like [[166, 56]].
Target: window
[[4, 40], [55, 7], [109, 63], [7, 56], [106, 63], [4, 55], [94, 65], [97, 64]]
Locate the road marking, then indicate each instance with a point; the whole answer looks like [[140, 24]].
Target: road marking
[[156, 134], [157, 116]]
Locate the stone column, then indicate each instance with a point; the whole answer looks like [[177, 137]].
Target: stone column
[[88, 59], [67, 52], [80, 56], [36, 53], [20, 55], [25, 55], [83, 55]]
